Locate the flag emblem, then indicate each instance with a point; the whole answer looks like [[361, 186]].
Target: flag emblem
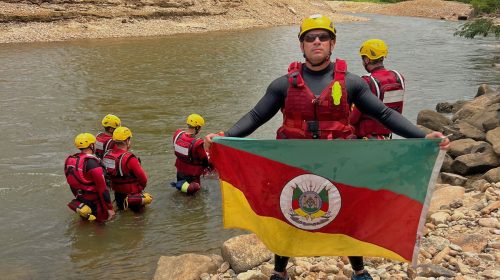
[[310, 202]]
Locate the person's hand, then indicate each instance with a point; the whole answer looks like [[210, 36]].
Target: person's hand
[[111, 214], [208, 139], [445, 142]]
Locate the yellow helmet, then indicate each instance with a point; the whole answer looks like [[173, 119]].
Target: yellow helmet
[[316, 21], [195, 120], [84, 140], [122, 133], [374, 49], [111, 121]]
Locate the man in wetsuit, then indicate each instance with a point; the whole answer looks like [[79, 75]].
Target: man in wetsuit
[[315, 99], [192, 160], [85, 176], [128, 179], [387, 85], [104, 140]]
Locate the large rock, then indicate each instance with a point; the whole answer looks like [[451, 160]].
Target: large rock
[[475, 163], [469, 131], [485, 118], [493, 175], [484, 89], [245, 252], [461, 147], [446, 167], [493, 137], [185, 267], [444, 196], [475, 106], [432, 120]]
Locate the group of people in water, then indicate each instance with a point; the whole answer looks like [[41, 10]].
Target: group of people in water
[[105, 162], [319, 99]]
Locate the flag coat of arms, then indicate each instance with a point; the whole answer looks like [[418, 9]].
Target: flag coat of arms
[[329, 198]]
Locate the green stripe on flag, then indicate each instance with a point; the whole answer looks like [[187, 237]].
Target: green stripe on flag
[[400, 165]]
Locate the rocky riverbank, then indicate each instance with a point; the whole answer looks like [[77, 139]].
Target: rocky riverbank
[[57, 20], [461, 236]]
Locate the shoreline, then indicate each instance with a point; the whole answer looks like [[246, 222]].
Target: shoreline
[[49, 22]]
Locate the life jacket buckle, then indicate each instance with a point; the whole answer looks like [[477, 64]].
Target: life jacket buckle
[[313, 127]]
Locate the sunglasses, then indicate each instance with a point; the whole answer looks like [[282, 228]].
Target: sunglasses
[[323, 37]]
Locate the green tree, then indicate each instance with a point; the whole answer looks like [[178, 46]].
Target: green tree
[[486, 11]]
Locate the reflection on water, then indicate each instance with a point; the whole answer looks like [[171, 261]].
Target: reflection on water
[[50, 92]]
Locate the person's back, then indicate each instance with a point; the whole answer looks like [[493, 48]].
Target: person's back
[[104, 140], [84, 175], [128, 179], [191, 158], [387, 85]]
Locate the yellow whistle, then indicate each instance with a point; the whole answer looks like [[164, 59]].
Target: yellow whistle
[[336, 93]]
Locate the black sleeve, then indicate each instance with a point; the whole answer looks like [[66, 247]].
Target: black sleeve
[[359, 94], [265, 109], [91, 164]]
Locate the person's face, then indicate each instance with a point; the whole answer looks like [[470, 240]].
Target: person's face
[[317, 45]]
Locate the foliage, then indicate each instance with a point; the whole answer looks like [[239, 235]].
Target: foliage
[[481, 26]]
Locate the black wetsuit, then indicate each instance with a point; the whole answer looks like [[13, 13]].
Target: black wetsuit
[[358, 93]]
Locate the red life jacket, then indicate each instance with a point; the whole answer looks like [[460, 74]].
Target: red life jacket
[[187, 163], [389, 87], [80, 184], [115, 160], [103, 143], [306, 116]]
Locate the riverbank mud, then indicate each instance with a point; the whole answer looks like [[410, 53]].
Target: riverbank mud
[[56, 20]]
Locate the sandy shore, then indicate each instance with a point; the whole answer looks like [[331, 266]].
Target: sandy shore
[[59, 21]]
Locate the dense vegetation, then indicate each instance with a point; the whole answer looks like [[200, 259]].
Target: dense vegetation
[[485, 11]]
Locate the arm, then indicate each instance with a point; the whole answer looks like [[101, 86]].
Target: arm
[[135, 167], [96, 173]]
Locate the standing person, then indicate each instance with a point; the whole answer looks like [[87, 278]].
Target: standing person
[[85, 177], [386, 85], [128, 179], [104, 139], [315, 98], [192, 160]]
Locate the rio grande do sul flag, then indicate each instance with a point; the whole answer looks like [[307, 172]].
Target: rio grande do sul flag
[[329, 198]]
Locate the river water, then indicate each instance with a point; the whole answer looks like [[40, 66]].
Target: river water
[[52, 91]]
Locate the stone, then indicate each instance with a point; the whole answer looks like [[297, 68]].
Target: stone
[[432, 270], [491, 207], [470, 131], [245, 252], [444, 107], [474, 163], [489, 222], [493, 137], [432, 120], [474, 242], [452, 179], [444, 196], [440, 218], [187, 266], [251, 275], [484, 89]]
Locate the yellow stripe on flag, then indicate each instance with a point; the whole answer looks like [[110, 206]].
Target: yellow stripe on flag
[[287, 240]]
